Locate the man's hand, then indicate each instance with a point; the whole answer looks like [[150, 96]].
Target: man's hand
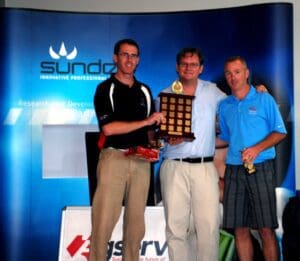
[[249, 154], [156, 118], [175, 140], [261, 88]]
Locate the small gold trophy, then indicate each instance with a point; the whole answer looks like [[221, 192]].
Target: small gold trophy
[[177, 109], [249, 166], [177, 87]]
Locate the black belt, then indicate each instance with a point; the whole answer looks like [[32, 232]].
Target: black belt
[[196, 160]]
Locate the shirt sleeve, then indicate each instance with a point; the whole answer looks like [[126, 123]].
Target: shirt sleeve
[[222, 126], [276, 123], [103, 107]]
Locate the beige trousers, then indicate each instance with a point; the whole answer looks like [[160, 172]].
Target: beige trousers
[[190, 194], [119, 178]]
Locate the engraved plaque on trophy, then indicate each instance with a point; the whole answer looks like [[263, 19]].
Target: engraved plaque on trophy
[[177, 109]]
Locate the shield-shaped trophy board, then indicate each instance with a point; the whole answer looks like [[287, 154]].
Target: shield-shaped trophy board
[[177, 109]]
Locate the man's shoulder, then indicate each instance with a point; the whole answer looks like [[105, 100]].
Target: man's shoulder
[[206, 83], [104, 86], [142, 84], [105, 83], [167, 90], [263, 96], [227, 100], [212, 89]]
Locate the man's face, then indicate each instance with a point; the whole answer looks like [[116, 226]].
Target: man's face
[[127, 59], [236, 74], [189, 67]]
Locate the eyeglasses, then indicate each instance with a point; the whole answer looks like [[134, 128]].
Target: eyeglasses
[[191, 65], [129, 55]]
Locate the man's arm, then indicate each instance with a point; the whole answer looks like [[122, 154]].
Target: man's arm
[[249, 154], [122, 127], [220, 143]]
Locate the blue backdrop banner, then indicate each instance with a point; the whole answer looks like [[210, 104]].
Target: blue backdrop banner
[[51, 63]]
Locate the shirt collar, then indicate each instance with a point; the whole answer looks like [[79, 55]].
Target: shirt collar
[[135, 83], [249, 95]]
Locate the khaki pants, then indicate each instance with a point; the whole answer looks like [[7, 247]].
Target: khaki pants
[[119, 177], [191, 199]]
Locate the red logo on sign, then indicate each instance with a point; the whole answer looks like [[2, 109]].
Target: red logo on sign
[[76, 244]]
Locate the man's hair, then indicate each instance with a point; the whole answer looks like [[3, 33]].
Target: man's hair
[[189, 51], [125, 41], [242, 60], [236, 58]]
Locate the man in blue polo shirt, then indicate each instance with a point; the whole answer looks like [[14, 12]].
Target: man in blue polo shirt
[[251, 124]]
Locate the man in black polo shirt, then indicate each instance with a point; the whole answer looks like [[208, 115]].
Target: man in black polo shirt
[[125, 113]]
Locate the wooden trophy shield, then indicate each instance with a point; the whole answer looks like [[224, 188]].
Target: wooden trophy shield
[[177, 109]]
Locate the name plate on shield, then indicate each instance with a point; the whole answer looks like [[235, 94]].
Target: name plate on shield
[[177, 109]]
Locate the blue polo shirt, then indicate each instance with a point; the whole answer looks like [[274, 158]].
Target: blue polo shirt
[[244, 123]]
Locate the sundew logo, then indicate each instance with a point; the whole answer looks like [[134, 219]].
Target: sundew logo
[[63, 65]]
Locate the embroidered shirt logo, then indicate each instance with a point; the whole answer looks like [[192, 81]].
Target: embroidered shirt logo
[[252, 110]]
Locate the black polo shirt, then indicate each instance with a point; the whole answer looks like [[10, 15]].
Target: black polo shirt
[[115, 101]]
